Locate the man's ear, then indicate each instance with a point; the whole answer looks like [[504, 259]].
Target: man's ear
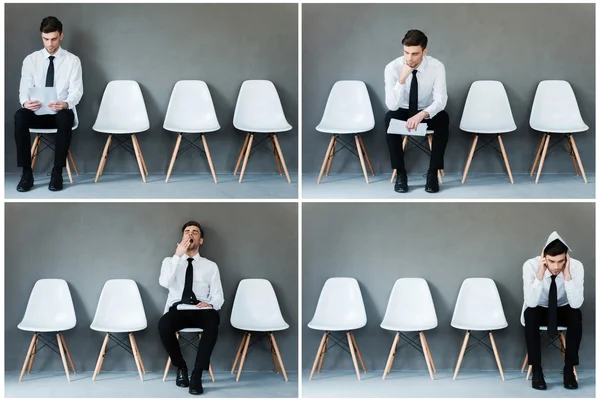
[[201, 241], [424, 52]]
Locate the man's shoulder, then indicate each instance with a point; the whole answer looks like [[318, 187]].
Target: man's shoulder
[[576, 264], [531, 263], [208, 263], [434, 62], [70, 56], [32, 55], [394, 63]]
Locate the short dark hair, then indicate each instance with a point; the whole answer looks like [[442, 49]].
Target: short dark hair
[[51, 24], [556, 247], [195, 224], [414, 37]]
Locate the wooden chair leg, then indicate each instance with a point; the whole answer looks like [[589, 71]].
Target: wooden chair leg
[[543, 158], [141, 154], [470, 158], [167, 368], [210, 372], [278, 356], [273, 354], [248, 149], [524, 362], [358, 351], [429, 353], [497, 355], [394, 173], [275, 155], [529, 372], [208, 156], [538, 154], [135, 356], [325, 160], [174, 156], [324, 351], [101, 356], [351, 346], [330, 159], [69, 171], [138, 156], [242, 152], [68, 353], [29, 351], [505, 157], [247, 342], [239, 353], [461, 355], [34, 150], [139, 355], [103, 158], [281, 158], [62, 356], [319, 350], [361, 158], [572, 153], [424, 347], [362, 143], [72, 159], [33, 352], [430, 140], [578, 158], [390, 360]]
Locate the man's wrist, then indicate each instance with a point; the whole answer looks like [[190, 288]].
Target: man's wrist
[[425, 114]]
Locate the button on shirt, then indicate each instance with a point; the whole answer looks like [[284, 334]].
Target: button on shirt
[[67, 75], [207, 281], [431, 77]]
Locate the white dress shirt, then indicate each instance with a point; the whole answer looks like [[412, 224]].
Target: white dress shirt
[[431, 77], [67, 75], [206, 285], [536, 292]]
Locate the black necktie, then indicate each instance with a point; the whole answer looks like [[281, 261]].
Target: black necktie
[[413, 98], [552, 308], [188, 296], [50, 73]]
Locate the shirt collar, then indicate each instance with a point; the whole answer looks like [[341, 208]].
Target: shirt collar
[[196, 257], [58, 53], [547, 274], [423, 66]]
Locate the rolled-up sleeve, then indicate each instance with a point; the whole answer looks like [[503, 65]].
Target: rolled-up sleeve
[[574, 287], [439, 92], [394, 90], [215, 292]]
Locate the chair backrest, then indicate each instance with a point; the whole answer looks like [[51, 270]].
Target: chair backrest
[[120, 305], [258, 107], [478, 305], [555, 108], [255, 302], [341, 302], [50, 304], [122, 109], [348, 108], [487, 109], [410, 305], [191, 108]]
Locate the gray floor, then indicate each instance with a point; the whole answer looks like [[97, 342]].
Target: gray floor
[[477, 186], [190, 186], [468, 384], [128, 384]]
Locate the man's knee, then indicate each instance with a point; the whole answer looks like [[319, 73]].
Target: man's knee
[[575, 317], [164, 324], [22, 116], [64, 118], [442, 118], [531, 316], [388, 117]]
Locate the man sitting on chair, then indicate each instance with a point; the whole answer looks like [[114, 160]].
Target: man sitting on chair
[[55, 67], [415, 92], [553, 292], [195, 296]]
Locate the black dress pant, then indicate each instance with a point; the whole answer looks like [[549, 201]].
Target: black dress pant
[[174, 320], [568, 317], [439, 123], [61, 121]]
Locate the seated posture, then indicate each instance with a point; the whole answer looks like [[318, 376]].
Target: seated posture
[[55, 67], [553, 292], [415, 92], [195, 296]]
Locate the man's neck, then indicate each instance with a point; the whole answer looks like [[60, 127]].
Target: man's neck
[[192, 253]]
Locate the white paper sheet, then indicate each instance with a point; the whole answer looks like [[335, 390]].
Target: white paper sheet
[[190, 307], [398, 127], [45, 95]]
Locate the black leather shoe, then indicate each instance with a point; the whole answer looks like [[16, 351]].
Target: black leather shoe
[[182, 378], [56, 181], [537, 380], [401, 184], [432, 186], [196, 385], [25, 183], [569, 380]]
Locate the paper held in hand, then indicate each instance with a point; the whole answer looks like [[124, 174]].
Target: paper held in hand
[[190, 307], [44, 95], [398, 127]]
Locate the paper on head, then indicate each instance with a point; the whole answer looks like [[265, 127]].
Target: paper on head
[[44, 95], [555, 236], [398, 127]]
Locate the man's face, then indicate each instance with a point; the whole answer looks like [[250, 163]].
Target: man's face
[[52, 41], [413, 55], [556, 264], [193, 233]]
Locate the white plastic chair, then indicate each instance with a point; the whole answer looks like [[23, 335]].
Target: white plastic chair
[[478, 308], [487, 112], [258, 111], [49, 309], [120, 310], [340, 308], [122, 112], [40, 138], [256, 309], [348, 112], [410, 308], [191, 111], [555, 111]]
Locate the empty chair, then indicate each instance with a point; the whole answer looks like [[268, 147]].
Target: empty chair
[[555, 111], [340, 308], [122, 112], [487, 112], [258, 111], [49, 310], [478, 308], [191, 111], [42, 139], [256, 309], [421, 146], [120, 310], [410, 308], [348, 112]]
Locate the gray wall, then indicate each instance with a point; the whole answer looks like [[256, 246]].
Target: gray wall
[[87, 244], [517, 44], [444, 244], [158, 45]]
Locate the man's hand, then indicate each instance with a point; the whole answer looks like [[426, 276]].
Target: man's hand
[[567, 270], [183, 246], [415, 120], [203, 305], [541, 268], [404, 73], [58, 105], [32, 105]]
